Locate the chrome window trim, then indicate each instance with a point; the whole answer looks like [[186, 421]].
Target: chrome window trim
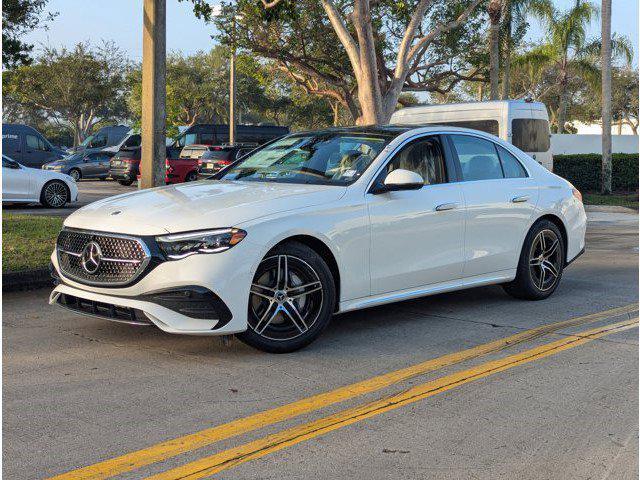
[[142, 263]]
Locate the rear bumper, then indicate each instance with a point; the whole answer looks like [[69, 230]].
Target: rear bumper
[[123, 174]]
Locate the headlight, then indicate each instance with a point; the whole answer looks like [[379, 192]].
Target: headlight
[[182, 245]]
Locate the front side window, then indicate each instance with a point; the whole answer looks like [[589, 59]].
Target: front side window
[[478, 158], [510, 164], [325, 158], [36, 143], [424, 157], [530, 135]]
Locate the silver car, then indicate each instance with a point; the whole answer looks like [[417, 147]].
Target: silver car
[[83, 165]]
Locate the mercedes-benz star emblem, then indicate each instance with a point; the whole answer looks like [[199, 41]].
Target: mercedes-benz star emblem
[[91, 257]]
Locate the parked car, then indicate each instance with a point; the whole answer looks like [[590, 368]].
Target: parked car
[[181, 170], [216, 158], [22, 184], [522, 123], [87, 164], [110, 138], [209, 134], [322, 222], [125, 165], [27, 146]]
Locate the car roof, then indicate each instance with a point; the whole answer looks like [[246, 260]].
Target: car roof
[[395, 130]]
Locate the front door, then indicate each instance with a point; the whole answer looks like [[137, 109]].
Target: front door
[[500, 199], [417, 235]]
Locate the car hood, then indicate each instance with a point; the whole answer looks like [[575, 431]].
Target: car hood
[[197, 205]]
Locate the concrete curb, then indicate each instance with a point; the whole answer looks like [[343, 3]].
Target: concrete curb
[[26, 280], [609, 209]]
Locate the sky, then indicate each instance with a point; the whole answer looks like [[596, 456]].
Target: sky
[[121, 21]]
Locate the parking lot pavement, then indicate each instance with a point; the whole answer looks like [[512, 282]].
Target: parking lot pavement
[[561, 404], [88, 191]]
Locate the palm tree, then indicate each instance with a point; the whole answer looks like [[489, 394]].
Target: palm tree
[[567, 52], [494, 9], [606, 97], [515, 17]]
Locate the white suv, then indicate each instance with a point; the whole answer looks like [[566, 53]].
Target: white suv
[[317, 223]]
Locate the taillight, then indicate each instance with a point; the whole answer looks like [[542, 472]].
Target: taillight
[[577, 194]]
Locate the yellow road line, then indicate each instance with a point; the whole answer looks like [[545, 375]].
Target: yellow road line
[[170, 448], [208, 466]]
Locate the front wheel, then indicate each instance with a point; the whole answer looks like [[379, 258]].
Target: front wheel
[[126, 183], [541, 263], [291, 300], [55, 194], [75, 174]]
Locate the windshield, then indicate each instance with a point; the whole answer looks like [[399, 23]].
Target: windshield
[[328, 158]]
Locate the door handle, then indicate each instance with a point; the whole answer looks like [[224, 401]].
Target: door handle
[[521, 199], [446, 206]]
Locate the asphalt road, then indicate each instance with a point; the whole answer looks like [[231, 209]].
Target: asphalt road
[[554, 404]]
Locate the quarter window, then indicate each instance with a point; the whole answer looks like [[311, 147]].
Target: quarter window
[[510, 164], [530, 135], [423, 156], [478, 158]]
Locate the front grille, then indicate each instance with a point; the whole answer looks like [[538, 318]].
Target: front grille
[[121, 260]]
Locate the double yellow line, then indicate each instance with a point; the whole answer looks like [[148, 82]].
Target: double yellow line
[[212, 464]]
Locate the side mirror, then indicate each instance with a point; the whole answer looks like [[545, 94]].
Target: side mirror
[[400, 179]]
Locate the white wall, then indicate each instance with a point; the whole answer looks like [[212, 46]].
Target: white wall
[[568, 144]]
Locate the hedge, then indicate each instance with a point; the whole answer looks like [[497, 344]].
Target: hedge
[[584, 171]]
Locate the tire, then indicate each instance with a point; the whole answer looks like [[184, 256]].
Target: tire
[[126, 183], [102, 179], [191, 176], [277, 321], [55, 194], [539, 273], [75, 173]]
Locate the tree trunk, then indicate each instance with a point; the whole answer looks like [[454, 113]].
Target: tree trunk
[[506, 57], [562, 108], [494, 10], [368, 86], [606, 97]]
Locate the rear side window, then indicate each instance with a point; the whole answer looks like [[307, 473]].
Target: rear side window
[[423, 156], [478, 158], [487, 126], [530, 135], [510, 164]]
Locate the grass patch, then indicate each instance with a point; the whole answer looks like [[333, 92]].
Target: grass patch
[[622, 200], [27, 241]]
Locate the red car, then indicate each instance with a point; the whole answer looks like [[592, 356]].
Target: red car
[[180, 170]]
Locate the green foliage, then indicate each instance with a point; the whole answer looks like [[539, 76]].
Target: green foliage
[[584, 171], [28, 240], [629, 200], [76, 88], [20, 17]]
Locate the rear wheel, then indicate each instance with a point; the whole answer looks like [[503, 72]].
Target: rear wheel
[[541, 263], [126, 183], [55, 194], [191, 176], [291, 300]]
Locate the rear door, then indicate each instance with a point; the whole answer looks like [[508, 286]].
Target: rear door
[[500, 199], [16, 181], [417, 235]]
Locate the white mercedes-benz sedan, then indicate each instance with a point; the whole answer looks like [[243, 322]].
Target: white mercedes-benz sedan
[[318, 223], [22, 184]]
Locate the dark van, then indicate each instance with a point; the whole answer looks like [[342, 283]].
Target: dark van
[[210, 134], [107, 138], [27, 146]]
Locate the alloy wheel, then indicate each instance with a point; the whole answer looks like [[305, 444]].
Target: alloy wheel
[[286, 298], [75, 174], [545, 260], [55, 194]]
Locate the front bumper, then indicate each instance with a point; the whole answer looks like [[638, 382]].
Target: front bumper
[[226, 275]]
